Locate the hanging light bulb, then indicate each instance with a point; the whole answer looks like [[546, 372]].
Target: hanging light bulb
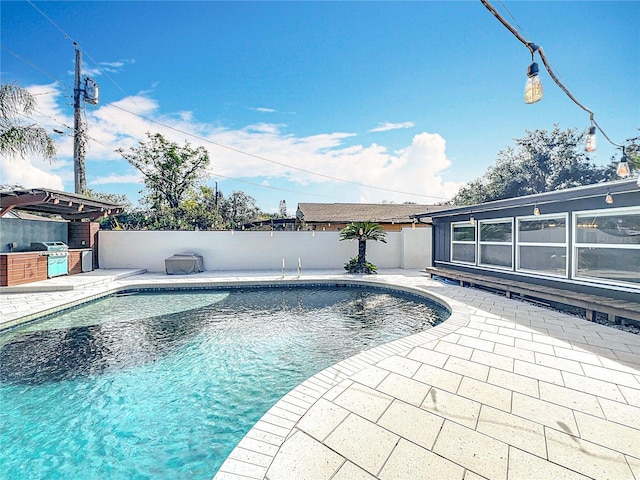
[[533, 88], [623, 169], [536, 210], [472, 220], [590, 145], [609, 198]]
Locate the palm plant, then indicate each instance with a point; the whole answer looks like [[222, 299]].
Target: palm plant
[[16, 137], [362, 231]]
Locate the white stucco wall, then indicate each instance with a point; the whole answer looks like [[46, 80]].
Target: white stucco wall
[[416, 248], [258, 250]]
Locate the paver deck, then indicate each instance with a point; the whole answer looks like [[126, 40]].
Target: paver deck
[[501, 390]]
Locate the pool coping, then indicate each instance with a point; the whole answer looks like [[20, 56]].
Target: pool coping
[[255, 450]]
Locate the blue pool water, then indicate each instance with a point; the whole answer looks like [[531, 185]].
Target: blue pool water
[[164, 385]]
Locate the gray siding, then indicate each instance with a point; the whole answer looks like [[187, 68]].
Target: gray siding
[[442, 240]]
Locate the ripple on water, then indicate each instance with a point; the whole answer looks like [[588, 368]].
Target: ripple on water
[[163, 386]]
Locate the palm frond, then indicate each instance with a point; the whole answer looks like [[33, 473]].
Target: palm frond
[[26, 140]]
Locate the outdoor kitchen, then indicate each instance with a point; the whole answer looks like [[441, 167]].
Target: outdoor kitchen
[[47, 234]]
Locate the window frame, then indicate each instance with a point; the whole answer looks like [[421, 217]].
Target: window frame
[[480, 243], [519, 243], [464, 242], [575, 245]]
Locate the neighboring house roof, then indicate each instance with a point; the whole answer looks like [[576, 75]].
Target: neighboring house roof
[[362, 212]]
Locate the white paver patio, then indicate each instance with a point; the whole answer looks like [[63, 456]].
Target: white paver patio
[[501, 390]]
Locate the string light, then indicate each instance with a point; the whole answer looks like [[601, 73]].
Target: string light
[[533, 82], [533, 91], [623, 169], [536, 210], [609, 198], [591, 144]]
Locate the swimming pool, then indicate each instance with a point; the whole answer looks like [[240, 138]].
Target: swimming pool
[[165, 385]]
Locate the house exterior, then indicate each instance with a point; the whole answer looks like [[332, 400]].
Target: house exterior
[[336, 216], [585, 239]]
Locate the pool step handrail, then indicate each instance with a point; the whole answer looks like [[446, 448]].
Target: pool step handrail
[[283, 268], [299, 267]]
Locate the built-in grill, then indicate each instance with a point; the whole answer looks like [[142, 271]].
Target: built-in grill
[[57, 257]]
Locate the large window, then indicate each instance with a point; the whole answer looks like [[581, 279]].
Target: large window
[[542, 244], [607, 245], [495, 243], [463, 243]]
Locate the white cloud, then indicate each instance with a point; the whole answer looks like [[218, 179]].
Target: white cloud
[[264, 110], [116, 179], [20, 171], [106, 67], [259, 151], [385, 127]]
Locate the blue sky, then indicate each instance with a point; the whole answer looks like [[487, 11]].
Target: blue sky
[[289, 98]]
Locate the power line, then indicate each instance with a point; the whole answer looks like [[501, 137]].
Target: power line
[[40, 69], [259, 157], [220, 145], [68, 37], [533, 48]]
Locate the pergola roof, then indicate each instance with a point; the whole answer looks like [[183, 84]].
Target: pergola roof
[[69, 206]]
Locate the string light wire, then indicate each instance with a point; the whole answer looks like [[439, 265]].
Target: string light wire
[[533, 48]]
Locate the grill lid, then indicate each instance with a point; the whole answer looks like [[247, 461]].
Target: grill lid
[[49, 246]]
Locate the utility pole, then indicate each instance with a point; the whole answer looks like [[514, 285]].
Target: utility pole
[[79, 140], [83, 91]]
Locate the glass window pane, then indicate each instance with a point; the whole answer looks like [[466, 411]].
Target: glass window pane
[[464, 234], [620, 264], [461, 252], [609, 229], [495, 232], [543, 259], [497, 255], [548, 230]]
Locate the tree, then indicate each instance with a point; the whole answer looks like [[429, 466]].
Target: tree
[[169, 171], [17, 137], [362, 231], [115, 198], [201, 208], [239, 209], [542, 161]]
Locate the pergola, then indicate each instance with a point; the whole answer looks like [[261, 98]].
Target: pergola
[[69, 206]]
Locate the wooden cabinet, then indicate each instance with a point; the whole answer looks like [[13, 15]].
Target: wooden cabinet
[[22, 267]]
